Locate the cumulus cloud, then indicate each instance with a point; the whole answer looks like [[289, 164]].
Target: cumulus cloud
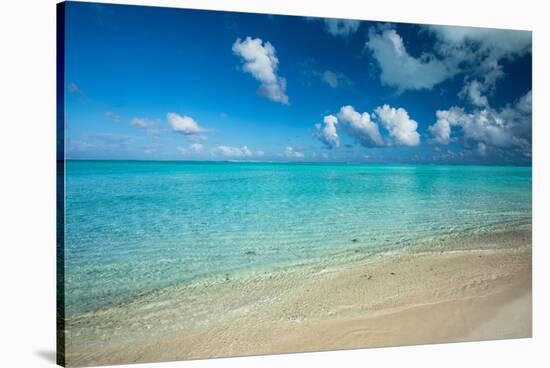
[[341, 27], [292, 152], [473, 91], [477, 53], [509, 127], [365, 127], [480, 51], [399, 125], [191, 149], [360, 126], [236, 152], [401, 70], [328, 134], [232, 152], [524, 104], [480, 126], [497, 42], [441, 130], [260, 60], [187, 126]]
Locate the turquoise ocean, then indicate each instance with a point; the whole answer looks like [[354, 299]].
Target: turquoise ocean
[[133, 227]]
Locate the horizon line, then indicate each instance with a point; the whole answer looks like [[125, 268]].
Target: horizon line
[[304, 162]]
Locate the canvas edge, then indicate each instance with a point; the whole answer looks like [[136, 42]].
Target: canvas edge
[[60, 184]]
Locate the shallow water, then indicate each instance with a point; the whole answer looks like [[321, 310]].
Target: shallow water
[[136, 227]]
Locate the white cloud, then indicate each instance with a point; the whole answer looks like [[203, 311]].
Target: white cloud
[[508, 128], [260, 60], [341, 27], [187, 126], [364, 127], [479, 51], [142, 123], [184, 124], [441, 130], [401, 70], [524, 104], [485, 126], [473, 91], [328, 134], [360, 126], [193, 148], [475, 52], [399, 125], [232, 152], [292, 152], [498, 42]]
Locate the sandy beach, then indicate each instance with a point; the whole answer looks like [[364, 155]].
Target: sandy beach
[[414, 297]]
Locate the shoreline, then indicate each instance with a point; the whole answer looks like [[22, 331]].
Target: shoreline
[[356, 255], [400, 298]]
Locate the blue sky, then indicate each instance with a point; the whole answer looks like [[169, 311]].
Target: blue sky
[[152, 83]]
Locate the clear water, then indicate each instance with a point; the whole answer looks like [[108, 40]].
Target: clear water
[[135, 227]]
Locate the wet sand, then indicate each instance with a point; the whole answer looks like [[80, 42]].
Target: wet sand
[[481, 289]]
